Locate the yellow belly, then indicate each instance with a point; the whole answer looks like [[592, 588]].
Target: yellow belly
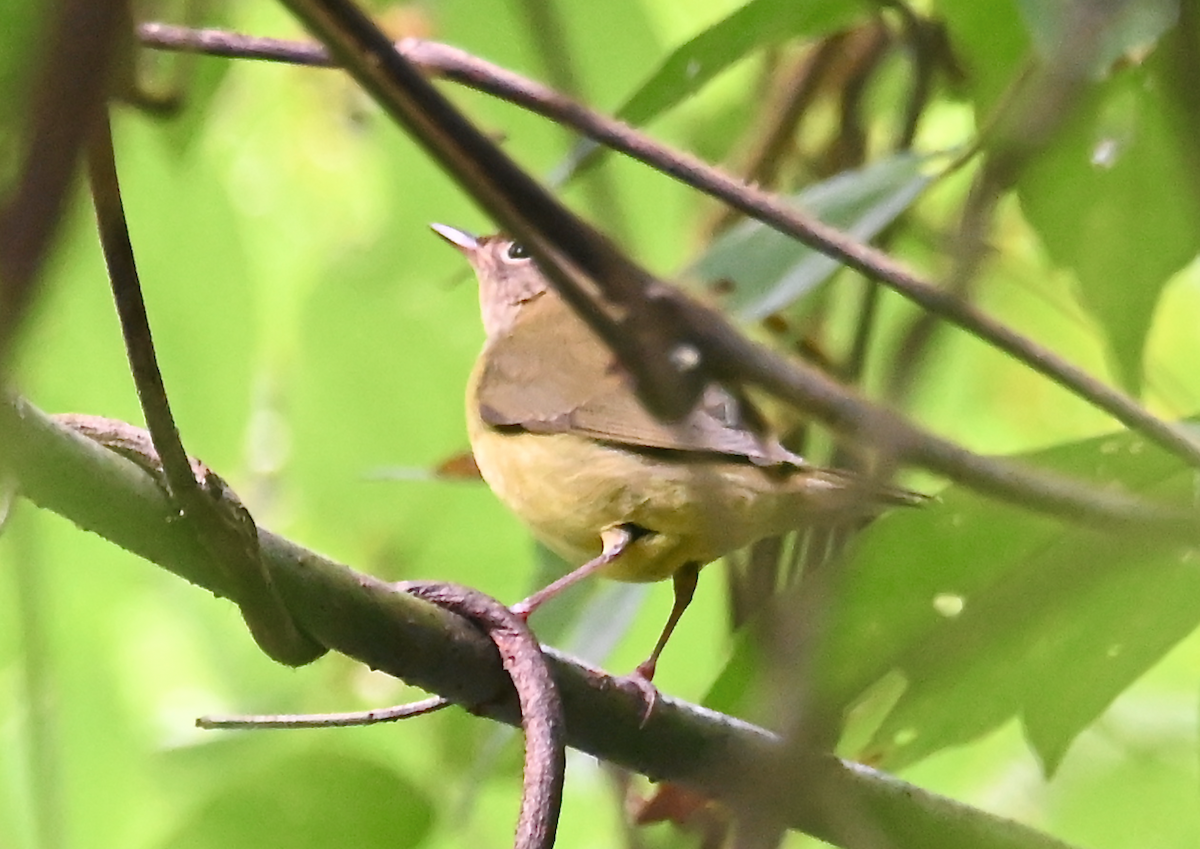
[[569, 489]]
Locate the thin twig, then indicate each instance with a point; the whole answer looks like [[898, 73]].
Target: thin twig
[[349, 719], [864, 52], [460, 67], [799, 87], [792, 91], [135, 324]]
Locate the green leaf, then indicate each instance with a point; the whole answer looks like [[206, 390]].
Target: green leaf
[[758, 24], [1086, 196], [770, 270], [989, 611], [1115, 29], [989, 42], [311, 801]]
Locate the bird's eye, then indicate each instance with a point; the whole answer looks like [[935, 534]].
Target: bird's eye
[[517, 251]]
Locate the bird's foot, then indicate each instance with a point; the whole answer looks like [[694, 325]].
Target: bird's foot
[[523, 610], [642, 679]]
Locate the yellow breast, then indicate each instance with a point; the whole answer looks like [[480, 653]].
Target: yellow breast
[[569, 489]]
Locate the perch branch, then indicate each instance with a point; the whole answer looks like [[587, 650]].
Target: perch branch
[[64, 471]]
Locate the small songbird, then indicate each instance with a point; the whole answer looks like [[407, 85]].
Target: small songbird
[[562, 440]]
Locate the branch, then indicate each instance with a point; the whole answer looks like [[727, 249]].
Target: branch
[[461, 67], [372, 622], [220, 522], [67, 95], [614, 295], [659, 320], [135, 323], [541, 708]]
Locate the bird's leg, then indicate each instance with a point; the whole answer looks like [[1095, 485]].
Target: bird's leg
[[685, 579], [615, 541], [685, 587]]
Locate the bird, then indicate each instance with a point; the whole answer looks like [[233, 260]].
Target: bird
[[559, 435]]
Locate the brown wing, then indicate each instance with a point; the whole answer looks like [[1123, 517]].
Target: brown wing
[[553, 375]]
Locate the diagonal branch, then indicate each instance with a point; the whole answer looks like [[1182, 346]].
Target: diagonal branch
[[353, 613], [639, 316], [461, 67], [613, 294]]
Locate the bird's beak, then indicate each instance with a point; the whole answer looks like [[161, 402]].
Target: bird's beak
[[461, 239]]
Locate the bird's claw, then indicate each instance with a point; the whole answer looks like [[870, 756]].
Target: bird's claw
[[640, 678]]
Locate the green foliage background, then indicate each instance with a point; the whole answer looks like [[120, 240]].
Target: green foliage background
[[315, 338]]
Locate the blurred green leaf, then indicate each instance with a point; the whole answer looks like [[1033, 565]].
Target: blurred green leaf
[[770, 271], [990, 612], [1135, 777], [1111, 29], [989, 41], [310, 801], [1086, 195], [758, 24]]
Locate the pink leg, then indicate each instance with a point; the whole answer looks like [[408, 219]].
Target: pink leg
[[615, 542], [685, 587]]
